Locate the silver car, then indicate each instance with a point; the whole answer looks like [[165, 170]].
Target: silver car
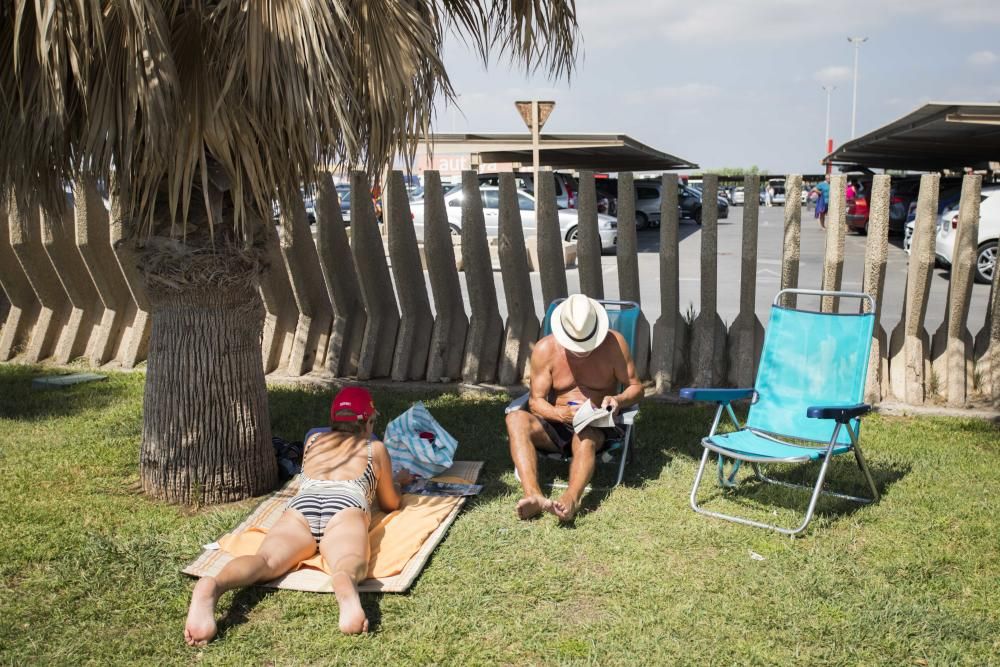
[[568, 218]]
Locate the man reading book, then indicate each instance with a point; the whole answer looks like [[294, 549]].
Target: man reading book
[[579, 366]]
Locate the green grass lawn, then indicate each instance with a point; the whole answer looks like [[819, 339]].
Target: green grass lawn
[[90, 569]]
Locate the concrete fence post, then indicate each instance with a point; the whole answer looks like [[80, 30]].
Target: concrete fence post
[[482, 346], [312, 330], [670, 331], [952, 344], [24, 307], [628, 269], [988, 361], [708, 344], [522, 327], [588, 242], [90, 240], [791, 248], [909, 343], [86, 310], [873, 283], [341, 280], [379, 343], [280, 321], [746, 335], [135, 344], [413, 342], [451, 324], [93, 241], [49, 337], [836, 229], [551, 259]]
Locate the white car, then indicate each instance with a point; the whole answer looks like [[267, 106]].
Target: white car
[[986, 244], [568, 218], [739, 196]]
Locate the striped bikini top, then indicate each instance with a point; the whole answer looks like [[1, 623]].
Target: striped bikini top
[[362, 488]]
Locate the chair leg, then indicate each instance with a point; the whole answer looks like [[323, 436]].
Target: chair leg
[[792, 532], [625, 453]]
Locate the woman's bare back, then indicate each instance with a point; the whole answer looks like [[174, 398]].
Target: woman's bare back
[[336, 456]]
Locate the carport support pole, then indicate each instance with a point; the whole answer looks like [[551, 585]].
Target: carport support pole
[[535, 134]]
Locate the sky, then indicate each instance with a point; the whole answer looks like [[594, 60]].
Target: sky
[[735, 83]]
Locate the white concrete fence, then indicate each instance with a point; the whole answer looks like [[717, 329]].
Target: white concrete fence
[[335, 309]]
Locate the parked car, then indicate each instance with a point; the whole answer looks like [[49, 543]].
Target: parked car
[[568, 218], [689, 204], [566, 186], [647, 203], [986, 244], [778, 191], [739, 195]]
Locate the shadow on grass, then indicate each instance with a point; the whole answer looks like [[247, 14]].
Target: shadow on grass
[[20, 401], [243, 602]]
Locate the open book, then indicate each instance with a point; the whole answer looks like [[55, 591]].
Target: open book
[[590, 415]]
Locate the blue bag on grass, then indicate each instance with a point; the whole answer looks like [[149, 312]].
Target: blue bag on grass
[[418, 443]]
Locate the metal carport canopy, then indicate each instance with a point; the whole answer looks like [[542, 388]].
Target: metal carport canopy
[[938, 135], [599, 152]]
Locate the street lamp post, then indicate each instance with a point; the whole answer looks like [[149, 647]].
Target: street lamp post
[[857, 42], [829, 140]]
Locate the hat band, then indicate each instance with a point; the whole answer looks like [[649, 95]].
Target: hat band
[[585, 338]]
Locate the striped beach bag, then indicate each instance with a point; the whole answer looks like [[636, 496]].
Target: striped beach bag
[[418, 443]]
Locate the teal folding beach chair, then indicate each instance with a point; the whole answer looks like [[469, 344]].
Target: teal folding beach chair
[[623, 317], [806, 403]]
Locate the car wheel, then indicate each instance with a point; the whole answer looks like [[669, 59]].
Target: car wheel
[[641, 220], [986, 262], [572, 235], [697, 216], [455, 230]]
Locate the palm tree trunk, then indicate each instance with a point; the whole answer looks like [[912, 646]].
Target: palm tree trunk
[[206, 431]]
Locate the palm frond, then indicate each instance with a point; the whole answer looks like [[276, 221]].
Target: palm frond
[[180, 99]]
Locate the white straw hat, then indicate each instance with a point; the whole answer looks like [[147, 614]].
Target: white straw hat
[[579, 323]]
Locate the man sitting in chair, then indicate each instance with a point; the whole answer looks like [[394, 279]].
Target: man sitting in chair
[[582, 359]]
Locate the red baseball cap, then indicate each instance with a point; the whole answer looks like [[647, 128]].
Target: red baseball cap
[[355, 400]]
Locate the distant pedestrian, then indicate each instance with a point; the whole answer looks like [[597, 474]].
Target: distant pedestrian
[[822, 200], [851, 192], [769, 195]]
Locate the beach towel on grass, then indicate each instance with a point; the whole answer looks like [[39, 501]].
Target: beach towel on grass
[[401, 541]]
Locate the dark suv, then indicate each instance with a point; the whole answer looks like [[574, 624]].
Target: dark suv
[[648, 196]]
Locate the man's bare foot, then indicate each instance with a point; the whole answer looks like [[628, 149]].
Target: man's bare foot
[[352, 616], [531, 506], [200, 627], [566, 508]]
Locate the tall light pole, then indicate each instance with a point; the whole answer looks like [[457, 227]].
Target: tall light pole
[[857, 42], [826, 137]]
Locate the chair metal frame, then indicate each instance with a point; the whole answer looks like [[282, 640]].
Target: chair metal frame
[[627, 417], [841, 413]]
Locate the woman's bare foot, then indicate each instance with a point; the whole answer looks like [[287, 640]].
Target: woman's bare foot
[[566, 508], [200, 626], [352, 616], [531, 506]]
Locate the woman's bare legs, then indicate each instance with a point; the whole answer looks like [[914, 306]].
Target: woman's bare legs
[[288, 543], [346, 550]]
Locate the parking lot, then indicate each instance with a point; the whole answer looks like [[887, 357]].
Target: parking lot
[[768, 270]]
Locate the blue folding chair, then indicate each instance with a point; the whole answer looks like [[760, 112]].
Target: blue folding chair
[[623, 317], [809, 387]]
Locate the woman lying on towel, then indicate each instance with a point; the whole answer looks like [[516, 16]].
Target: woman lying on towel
[[343, 473]]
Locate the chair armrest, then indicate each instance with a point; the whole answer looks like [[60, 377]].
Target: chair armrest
[[519, 403], [840, 413], [628, 415], [717, 395]]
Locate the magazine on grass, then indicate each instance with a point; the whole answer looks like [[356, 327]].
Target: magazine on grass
[[428, 487], [590, 415]]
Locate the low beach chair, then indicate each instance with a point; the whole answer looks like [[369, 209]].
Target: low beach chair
[[805, 405], [623, 317]]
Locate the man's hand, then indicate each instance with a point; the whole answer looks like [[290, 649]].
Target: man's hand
[[612, 402], [566, 414]]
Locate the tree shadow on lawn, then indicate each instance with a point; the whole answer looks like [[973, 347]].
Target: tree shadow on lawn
[[20, 401]]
